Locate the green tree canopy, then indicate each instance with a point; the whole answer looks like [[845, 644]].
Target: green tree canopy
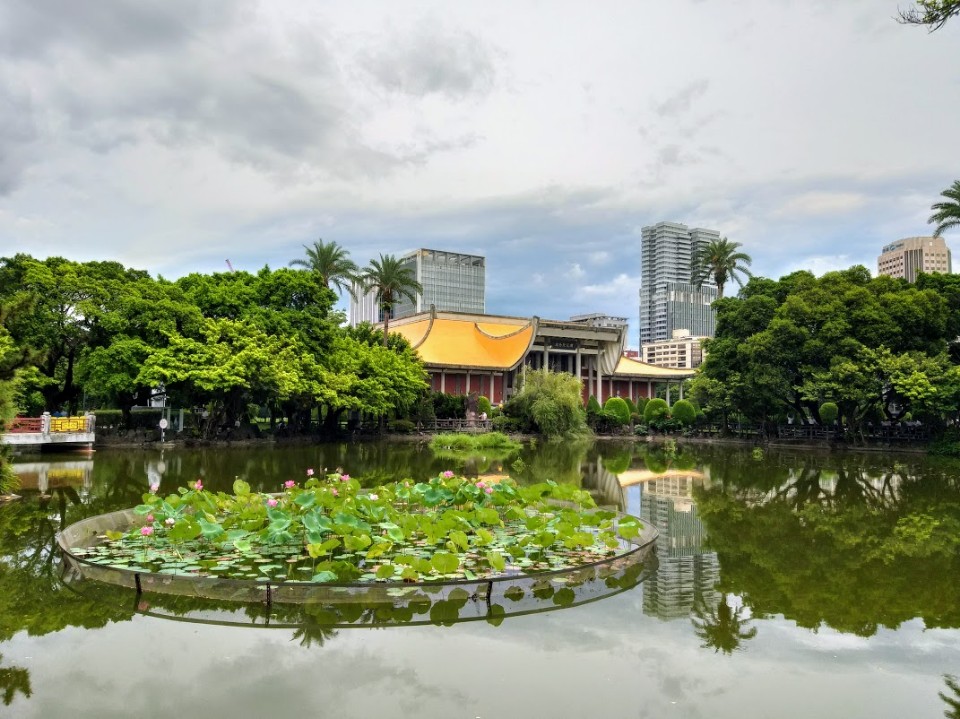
[[390, 280]]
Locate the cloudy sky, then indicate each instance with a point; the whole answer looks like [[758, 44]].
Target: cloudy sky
[[172, 135]]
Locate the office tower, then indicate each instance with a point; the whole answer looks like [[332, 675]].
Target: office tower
[[668, 299], [905, 258], [452, 282]]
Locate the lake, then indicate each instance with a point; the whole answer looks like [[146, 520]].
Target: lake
[[788, 584]]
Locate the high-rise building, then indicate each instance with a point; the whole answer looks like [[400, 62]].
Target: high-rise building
[[905, 258], [668, 298], [452, 282]]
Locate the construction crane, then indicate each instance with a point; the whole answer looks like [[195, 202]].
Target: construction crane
[[230, 266]]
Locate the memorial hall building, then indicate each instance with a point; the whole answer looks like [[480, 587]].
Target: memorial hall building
[[488, 354]]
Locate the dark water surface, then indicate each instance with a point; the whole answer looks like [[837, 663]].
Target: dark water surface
[[798, 584]]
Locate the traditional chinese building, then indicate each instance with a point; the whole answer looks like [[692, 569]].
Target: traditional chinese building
[[487, 354]]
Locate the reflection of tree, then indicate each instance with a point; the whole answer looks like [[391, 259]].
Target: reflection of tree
[[844, 543], [953, 703], [722, 628], [13, 680]]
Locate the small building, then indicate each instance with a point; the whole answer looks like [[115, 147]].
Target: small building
[[905, 258], [487, 354], [683, 351]]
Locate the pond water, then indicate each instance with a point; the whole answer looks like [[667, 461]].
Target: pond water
[[796, 584]]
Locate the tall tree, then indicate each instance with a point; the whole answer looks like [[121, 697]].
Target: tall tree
[[931, 13], [391, 281], [331, 263], [719, 261], [946, 214]]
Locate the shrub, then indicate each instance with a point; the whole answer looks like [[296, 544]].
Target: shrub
[[593, 406], [656, 410], [449, 406], [684, 412], [483, 405], [630, 405], [617, 407], [641, 405], [604, 422], [401, 426], [828, 413], [503, 423], [551, 402]]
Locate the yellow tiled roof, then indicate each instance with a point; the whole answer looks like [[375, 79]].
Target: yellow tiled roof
[[629, 367], [467, 343]]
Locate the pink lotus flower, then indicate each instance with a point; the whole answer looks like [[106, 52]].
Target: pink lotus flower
[[335, 492], [170, 521], [447, 475], [272, 502], [198, 485], [344, 477], [489, 490], [309, 472], [480, 485], [374, 497], [150, 518], [289, 484], [154, 488], [146, 531]]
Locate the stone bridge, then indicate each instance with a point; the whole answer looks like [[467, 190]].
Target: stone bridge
[[47, 430]]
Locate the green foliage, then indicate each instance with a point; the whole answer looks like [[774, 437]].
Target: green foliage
[[390, 280], [828, 413], [549, 403], [483, 405], [656, 410], [868, 344], [593, 406], [449, 406], [933, 14], [719, 261], [684, 412], [467, 443], [331, 264], [401, 426], [618, 408], [641, 404], [332, 530]]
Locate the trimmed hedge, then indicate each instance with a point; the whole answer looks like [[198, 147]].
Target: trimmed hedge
[[617, 407], [657, 410], [684, 412]]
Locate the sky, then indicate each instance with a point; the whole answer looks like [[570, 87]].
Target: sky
[[172, 135]]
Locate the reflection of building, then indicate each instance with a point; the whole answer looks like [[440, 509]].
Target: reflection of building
[[44, 476], [905, 258], [487, 354], [683, 351], [668, 299], [687, 570]]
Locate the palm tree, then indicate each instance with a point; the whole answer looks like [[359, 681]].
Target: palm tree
[[391, 281], [719, 261], [331, 263], [947, 214], [722, 628]]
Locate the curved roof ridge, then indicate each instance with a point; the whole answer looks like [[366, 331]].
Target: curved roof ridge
[[520, 328], [433, 316], [535, 324]]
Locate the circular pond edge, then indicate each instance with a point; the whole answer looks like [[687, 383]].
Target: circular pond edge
[[86, 532]]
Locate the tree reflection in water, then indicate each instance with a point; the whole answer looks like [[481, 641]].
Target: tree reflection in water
[[721, 628]]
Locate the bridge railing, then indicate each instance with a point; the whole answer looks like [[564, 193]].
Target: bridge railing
[[46, 424], [25, 424]]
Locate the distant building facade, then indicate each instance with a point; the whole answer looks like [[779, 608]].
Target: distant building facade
[[452, 282], [905, 258], [683, 351], [668, 299]]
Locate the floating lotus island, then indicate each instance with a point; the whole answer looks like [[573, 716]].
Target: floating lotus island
[[331, 531]]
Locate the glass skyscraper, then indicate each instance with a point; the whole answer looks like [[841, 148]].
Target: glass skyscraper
[[668, 299], [452, 282]]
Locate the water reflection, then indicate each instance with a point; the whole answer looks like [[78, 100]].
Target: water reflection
[[795, 558]]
